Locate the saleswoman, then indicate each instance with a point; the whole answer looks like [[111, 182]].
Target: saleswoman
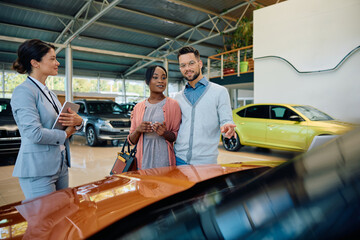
[[44, 156]]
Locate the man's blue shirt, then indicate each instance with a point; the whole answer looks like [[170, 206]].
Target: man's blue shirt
[[193, 94]]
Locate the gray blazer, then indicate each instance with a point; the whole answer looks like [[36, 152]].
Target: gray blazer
[[40, 153]]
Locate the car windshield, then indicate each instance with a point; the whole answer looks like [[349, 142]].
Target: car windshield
[[313, 114], [127, 107], [104, 108], [5, 108]]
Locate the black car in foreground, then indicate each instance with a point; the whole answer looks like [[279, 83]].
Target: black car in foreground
[[103, 120], [9, 133], [315, 196]]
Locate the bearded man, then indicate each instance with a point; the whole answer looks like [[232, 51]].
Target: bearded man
[[206, 112]]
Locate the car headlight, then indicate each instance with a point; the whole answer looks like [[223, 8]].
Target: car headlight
[[104, 123]]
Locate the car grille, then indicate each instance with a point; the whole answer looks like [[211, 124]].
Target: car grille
[[120, 124], [102, 132], [9, 141], [6, 133]]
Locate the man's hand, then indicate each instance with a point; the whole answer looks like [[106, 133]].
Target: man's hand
[[229, 130]]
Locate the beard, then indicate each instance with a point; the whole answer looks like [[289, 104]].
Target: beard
[[190, 79]]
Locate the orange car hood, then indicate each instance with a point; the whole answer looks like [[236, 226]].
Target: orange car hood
[[79, 212]]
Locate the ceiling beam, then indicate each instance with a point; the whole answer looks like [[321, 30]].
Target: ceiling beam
[[91, 50], [162, 36], [37, 10], [88, 23], [82, 36], [140, 65], [154, 16], [71, 18], [200, 9], [72, 22]]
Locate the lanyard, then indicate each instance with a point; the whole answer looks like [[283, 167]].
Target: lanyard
[[52, 102]]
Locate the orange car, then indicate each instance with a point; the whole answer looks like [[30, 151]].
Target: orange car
[[80, 212], [313, 196]]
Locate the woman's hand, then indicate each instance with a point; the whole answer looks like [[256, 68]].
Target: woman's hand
[[144, 127], [159, 128], [70, 131], [70, 118]]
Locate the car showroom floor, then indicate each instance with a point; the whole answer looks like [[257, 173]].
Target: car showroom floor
[[93, 163]]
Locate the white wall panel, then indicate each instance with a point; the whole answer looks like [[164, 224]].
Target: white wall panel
[[313, 35]]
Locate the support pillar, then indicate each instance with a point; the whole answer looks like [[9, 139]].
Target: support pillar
[[166, 66], [124, 90], [3, 81], [68, 74]]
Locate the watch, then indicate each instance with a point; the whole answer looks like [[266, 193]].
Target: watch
[[77, 128]]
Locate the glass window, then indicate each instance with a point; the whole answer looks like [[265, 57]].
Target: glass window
[[135, 90], [173, 87], [82, 108], [313, 114], [108, 86], [241, 113], [261, 111], [277, 112], [282, 113], [249, 101], [104, 107], [85, 85], [12, 80], [56, 83]]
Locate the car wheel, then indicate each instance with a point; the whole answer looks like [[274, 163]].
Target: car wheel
[[232, 144], [91, 137]]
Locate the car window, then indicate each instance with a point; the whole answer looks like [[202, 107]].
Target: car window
[[313, 114], [282, 113], [82, 108], [261, 111], [5, 108], [104, 107], [241, 113], [127, 107]]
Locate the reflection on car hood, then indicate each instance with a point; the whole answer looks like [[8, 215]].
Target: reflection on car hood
[[335, 123], [345, 124], [77, 213]]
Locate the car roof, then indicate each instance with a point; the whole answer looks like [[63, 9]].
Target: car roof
[[94, 100], [114, 197], [268, 104]]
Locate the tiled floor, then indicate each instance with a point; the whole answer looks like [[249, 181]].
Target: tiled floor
[[93, 163]]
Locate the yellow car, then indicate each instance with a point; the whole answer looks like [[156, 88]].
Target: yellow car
[[283, 126]]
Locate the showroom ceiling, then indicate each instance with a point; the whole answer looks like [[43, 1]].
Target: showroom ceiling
[[118, 38]]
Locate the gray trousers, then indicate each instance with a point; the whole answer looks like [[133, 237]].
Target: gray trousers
[[34, 187]]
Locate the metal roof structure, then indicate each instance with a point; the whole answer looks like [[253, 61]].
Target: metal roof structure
[[118, 38]]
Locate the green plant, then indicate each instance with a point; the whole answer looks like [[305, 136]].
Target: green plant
[[241, 37]]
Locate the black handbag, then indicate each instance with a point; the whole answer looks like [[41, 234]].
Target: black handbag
[[125, 161]]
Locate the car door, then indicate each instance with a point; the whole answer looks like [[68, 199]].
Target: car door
[[252, 126], [286, 129]]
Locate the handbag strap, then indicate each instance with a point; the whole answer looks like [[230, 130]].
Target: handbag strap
[[132, 152]]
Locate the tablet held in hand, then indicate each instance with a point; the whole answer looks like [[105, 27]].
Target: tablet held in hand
[[75, 107]]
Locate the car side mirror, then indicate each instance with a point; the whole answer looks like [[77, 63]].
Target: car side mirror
[[295, 118]]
